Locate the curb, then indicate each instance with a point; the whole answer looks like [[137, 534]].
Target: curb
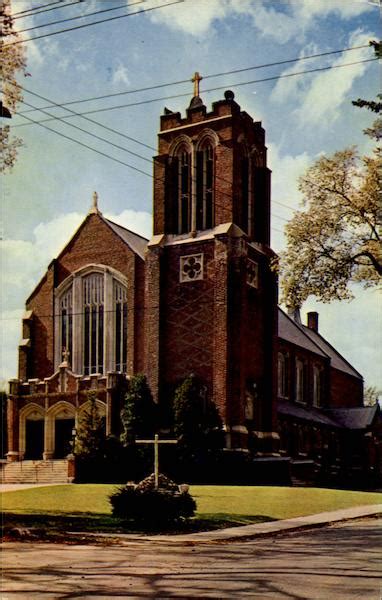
[[246, 532]]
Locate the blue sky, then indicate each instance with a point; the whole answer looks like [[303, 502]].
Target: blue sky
[[49, 191]]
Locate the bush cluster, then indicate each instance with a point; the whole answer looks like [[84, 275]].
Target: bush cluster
[[143, 503]]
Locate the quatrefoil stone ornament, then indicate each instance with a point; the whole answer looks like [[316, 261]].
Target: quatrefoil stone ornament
[[191, 268]]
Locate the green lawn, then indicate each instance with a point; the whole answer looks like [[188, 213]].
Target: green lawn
[[86, 507]]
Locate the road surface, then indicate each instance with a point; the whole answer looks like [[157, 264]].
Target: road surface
[[339, 562]]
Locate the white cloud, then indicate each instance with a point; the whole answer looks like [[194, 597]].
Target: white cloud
[[194, 17], [138, 221], [319, 95], [120, 75], [293, 21], [285, 173], [329, 89]]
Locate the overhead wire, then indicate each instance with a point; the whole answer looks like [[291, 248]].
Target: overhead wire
[[42, 8], [212, 75], [85, 15], [93, 121], [113, 144], [122, 162], [38, 37], [209, 90]]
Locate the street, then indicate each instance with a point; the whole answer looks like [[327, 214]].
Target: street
[[338, 562]]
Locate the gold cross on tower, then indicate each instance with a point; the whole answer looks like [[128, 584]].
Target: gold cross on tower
[[196, 81]]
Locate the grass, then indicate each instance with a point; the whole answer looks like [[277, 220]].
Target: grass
[[55, 510]]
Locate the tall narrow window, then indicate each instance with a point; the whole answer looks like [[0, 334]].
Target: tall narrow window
[[66, 323], [93, 327], [184, 193], [205, 188], [300, 381], [317, 386], [244, 194], [120, 305], [283, 375]]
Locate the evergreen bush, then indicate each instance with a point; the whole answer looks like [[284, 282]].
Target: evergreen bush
[[147, 505]]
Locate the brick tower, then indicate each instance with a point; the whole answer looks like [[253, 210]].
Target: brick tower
[[211, 297]]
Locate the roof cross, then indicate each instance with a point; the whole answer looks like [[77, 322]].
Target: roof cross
[[196, 81]]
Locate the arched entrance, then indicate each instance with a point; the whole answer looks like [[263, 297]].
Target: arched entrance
[[34, 439], [31, 441], [63, 434], [59, 432]]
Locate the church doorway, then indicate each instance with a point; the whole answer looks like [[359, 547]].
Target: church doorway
[[34, 439], [63, 437]]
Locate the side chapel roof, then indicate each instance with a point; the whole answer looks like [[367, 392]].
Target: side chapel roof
[[300, 335]]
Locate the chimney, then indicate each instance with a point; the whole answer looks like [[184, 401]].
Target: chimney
[[294, 313], [313, 321]]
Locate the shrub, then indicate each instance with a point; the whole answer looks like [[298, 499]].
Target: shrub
[[145, 504], [139, 413]]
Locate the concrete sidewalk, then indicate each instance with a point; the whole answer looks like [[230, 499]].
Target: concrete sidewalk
[[247, 531]]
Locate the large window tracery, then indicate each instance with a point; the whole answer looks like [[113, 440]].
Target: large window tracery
[[92, 322]]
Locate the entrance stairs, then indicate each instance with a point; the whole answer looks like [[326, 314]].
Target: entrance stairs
[[36, 471]]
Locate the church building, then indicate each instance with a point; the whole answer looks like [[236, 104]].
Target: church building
[[199, 297]]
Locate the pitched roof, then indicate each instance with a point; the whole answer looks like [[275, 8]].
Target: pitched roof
[[354, 418], [300, 335], [136, 242], [290, 331], [309, 413], [337, 361]]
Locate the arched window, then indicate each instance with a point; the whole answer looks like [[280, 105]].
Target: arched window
[[184, 191], [244, 221], [93, 322], [120, 342], [205, 187], [66, 322], [93, 317]]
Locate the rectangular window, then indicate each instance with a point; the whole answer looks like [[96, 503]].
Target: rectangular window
[[300, 381]]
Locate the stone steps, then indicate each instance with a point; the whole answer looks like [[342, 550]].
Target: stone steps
[[35, 471]]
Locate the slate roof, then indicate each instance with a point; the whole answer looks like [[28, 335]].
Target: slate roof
[[308, 413], [136, 242], [341, 418], [300, 335], [354, 418], [291, 332]]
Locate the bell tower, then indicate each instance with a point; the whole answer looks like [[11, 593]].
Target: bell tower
[[211, 297]]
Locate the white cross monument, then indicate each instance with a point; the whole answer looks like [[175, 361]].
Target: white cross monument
[[156, 441]]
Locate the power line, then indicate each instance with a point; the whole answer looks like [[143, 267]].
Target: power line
[[115, 145], [93, 135], [98, 12], [161, 85], [38, 37], [126, 164], [43, 8], [239, 84], [87, 146], [83, 117]]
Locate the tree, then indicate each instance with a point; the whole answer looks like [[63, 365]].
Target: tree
[[90, 436], [12, 62], [336, 240], [197, 422], [371, 395], [139, 412]]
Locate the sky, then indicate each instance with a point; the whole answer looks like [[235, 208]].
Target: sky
[[49, 191]]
